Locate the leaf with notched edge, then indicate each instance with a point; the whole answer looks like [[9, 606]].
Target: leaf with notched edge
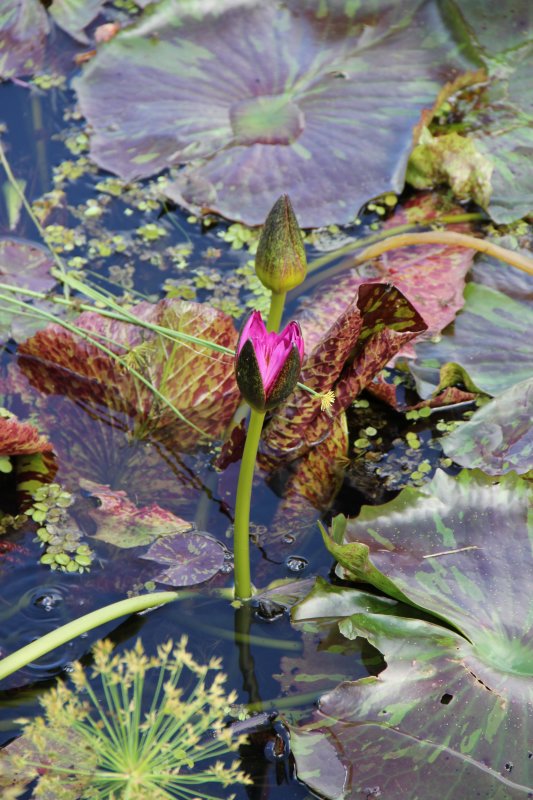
[[318, 103]]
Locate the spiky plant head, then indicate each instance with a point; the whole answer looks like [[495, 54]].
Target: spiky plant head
[[128, 743]]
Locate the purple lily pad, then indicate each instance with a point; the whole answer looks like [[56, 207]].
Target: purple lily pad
[[257, 99], [450, 710], [499, 437], [23, 30], [74, 15], [190, 558]]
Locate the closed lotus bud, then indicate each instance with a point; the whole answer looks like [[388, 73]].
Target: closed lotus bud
[[280, 262], [267, 365]]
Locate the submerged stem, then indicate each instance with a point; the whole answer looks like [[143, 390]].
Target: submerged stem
[[243, 586]]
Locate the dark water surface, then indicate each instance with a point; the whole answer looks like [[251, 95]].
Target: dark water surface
[[34, 600]]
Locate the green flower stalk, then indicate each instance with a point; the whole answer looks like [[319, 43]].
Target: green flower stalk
[[280, 261], [267, 367], [131, 745]]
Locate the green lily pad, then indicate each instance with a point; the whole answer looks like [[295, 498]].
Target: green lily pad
[[491, 338], [190, 557], [23, 30], [257, 99], [454, 708], [499, 437]]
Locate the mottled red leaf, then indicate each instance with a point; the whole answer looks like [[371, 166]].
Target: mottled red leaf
[[20, 438], [359, 343]]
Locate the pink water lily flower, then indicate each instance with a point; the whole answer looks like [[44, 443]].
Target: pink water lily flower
[[267, 365]]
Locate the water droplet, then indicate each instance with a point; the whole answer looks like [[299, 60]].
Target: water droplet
[[296, 563], [288, 538], [226, 568], [68, 667]]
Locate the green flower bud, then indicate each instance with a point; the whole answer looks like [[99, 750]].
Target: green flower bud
[[280, 262]]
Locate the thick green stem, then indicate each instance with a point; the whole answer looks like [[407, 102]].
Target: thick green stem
[[277, 304], [243, 586], [26, 655]]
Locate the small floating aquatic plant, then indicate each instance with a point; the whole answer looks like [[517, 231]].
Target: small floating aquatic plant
[[131, 745]]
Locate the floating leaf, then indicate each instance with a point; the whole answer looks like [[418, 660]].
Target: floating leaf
[[432, 277], [258, 99], [190, 557], [121, 523], [491, 338], [23, 30], [499, 437], [74, 15], [312, 483], [26, 265], [198, 381], [448, 711], [359, 343]]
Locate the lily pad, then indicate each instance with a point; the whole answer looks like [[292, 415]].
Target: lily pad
[[257, 100], [74, 15], [198, 381], [499, 437], [23, 30], [454, 708], [491, 338], [191, 557], [121, 523], [432, 277], [357, 345], [26, 265]]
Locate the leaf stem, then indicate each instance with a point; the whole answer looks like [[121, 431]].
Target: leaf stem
[[45, 644], [243, 587]]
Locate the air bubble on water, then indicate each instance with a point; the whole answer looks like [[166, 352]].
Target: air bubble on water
[[296, 563], [68, 667], [288, 538], [226, 568], [509, 766], [49, 600]]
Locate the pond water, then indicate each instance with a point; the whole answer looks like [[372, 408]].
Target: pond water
[[35, 600], [128, 243]]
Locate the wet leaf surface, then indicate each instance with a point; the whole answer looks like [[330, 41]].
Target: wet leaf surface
[[288, 111], [499, 437], [27, 265], [491, 338], [190, 558], [74, 15], [23, 30], [20, 438], [448, 711]]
